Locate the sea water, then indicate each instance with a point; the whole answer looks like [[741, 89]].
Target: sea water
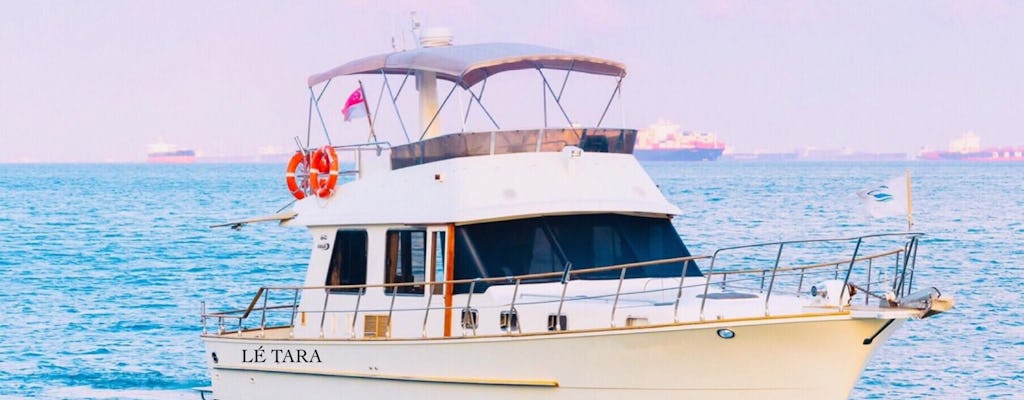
[[103, 267]]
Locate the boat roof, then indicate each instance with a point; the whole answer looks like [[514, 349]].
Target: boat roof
[[467, 65]]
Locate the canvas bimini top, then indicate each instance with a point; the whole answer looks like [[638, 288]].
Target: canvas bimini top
[[467, 65]]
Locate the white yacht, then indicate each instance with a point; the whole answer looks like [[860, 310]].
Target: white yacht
[[537, 264]]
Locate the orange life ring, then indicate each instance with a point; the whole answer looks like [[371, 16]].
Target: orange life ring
[[324, 161], [300, 163]]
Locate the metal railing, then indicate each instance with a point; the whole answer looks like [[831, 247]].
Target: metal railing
[[901, 285]]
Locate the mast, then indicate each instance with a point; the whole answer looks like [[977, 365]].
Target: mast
[[426, 83]]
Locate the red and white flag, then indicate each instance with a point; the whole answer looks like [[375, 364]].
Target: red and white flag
[[355, 106]]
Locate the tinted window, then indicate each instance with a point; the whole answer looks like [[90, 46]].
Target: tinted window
[[348, 260], [406, 258], [547, 244]]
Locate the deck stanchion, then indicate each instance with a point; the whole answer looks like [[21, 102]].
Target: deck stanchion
[[323, 313], [679, 292], [512, 309], [771, 284], [295, 310], [355, 313], [846, 281], [429, 290], [263, 317], [468, 310], [391, 308], [615, 304], [202, 313], [707, 283], [866, 297], [800, 286], [566, 274]]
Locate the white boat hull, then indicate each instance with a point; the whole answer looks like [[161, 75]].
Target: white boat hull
[[811, 356]]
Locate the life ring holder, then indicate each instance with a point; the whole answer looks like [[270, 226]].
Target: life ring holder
[[323, 172], [297, 175]]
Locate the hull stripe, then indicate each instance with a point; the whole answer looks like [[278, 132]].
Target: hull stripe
[[407, 378]]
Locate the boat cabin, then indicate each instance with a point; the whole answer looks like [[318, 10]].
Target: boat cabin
[[489, 211]]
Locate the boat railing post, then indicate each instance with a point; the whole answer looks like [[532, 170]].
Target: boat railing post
[[263, 316], [771, 283], [239, 327], [323, 312], [763, 273], [202, 314], [355, 313], [800, 286], [566, 275], [391, 309], [615, 304], [512, 309], [913, 263], [429, 291], [467, 311], [220, 325], [846, 281], [868, 290], [707, 283], [679, 292], [896, 271], [295, 310]]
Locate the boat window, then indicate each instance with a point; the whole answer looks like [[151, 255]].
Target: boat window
[[469, 144], [548, 244], [437, 254], [348, 260], [406, 255]]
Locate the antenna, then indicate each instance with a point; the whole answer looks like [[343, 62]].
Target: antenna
[[415, 28], [394, 28]]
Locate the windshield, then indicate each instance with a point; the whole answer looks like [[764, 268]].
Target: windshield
[[547, 244]]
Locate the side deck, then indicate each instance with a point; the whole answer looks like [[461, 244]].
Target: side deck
[[536, 305]]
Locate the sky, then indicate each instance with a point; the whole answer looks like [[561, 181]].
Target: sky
[[96, 81]]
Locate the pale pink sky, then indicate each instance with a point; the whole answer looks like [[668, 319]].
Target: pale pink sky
[[98, 80]]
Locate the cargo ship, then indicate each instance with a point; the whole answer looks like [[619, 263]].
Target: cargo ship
[[968, 148], [164, 153], [665, 141]]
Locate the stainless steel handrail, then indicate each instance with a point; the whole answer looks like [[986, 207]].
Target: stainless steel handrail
[[901, 283]]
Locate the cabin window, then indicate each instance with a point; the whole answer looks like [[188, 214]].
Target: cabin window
[[437, 254], [406, 258], [549, 244], [348, 261]]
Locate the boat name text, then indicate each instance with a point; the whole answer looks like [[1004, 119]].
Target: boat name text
[[278, 356]]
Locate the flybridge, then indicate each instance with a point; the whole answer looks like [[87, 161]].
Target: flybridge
[[467, 67]]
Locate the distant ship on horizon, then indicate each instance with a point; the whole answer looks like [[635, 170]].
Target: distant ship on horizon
[[165, 153], [665, 141], [967, 147]]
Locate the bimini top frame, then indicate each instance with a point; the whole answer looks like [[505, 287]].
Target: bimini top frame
[[466, 66]]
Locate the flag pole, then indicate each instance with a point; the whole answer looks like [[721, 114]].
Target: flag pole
[[910, 208], [369, 118]]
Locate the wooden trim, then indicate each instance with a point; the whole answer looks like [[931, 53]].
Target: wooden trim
[[449, 275]]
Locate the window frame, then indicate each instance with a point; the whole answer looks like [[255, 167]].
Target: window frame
[[341, 266], [393, 267]]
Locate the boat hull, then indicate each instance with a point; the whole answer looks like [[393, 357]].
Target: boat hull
[[793, 357]]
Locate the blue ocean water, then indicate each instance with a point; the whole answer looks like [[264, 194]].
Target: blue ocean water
[[103, 267]]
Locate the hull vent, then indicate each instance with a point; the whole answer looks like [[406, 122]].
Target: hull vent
[[376, 326]]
